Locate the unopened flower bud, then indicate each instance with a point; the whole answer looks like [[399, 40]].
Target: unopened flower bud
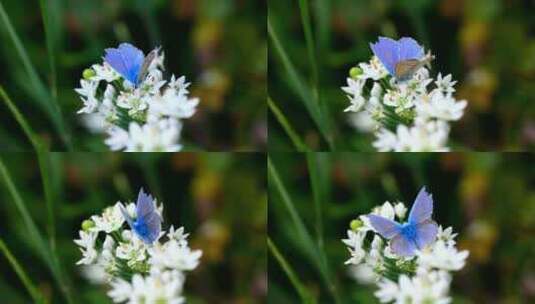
[[355, 224], [88, 74], [87, 224], [355, 72]]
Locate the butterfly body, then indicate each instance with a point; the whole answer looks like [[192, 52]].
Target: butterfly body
[[401, 58], [409, 231], [419, 231], [148, 222], [130, 62]]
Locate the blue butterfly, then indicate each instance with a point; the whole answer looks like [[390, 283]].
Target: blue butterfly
[[148, 222], [401, 58], [417, 233], [130, 62]]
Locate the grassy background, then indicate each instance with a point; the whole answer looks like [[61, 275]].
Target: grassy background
[[485, 197], [45, 200], [488, 46], [219, 45]]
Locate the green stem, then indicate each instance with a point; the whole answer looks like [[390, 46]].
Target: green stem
[[44, 100], [310, 247], [32, 290], [296, 140], [34, 140], [306, 297], [48, 256], [301, 89]]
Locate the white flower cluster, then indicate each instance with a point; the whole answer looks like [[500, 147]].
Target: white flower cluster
[[144, 118], [403, 115], [423, 278], [136, 272]]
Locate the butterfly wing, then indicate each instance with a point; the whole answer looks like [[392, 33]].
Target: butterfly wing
[[387, 51], [426, 233], [126, 60], [385, 227], [402, 246], [127, 217], [150, 227], [422, 209], [146, 64], [409, 49], [406, 69], [145, 204]]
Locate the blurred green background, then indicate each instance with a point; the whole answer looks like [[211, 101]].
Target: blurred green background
[[219, 45], [488, 198], [219, 198], [487, 45]]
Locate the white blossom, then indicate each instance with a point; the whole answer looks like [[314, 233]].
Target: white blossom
[[446, 235], [400, 210], [423, 136], [146, 117], [87, 246], [136, 272], [133, 250], [404, 116], [104, 72], [110, 220], [425, 287], [160, 136], [423, 278], [373, 70], [354, 242], [88, 95], [354, 91], [443, 256], [156, 288], [173, 255]]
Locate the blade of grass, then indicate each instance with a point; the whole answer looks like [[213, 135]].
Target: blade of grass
[[318, 168], [32, 290], [311, 47], [314, 63], [50, 259], [50, 45], [297, 84], [317, 172], [300, 227], [49, 105], [34, 140], [50, 197], [299, 144], [306, 297], [323, 19], [33, 232]]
